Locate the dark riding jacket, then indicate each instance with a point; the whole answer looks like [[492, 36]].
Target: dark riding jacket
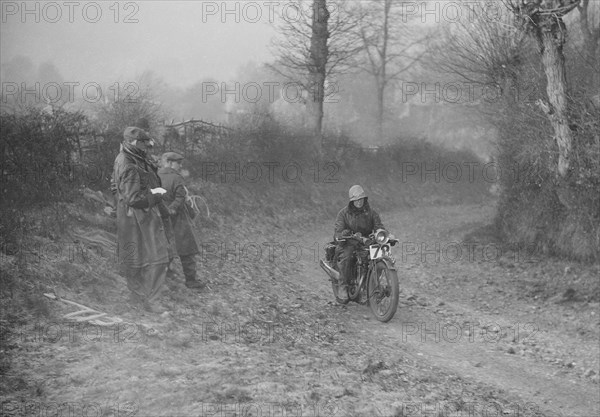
[[351, 220]]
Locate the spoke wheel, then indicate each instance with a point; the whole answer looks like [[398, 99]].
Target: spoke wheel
[[382, 290]]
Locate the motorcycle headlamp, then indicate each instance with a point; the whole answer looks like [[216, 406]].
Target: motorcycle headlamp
[[382, 236]]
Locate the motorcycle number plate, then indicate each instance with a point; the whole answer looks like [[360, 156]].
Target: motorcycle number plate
[[377, 252]]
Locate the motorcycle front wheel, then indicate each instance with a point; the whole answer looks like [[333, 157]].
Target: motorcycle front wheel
[[383, 291]]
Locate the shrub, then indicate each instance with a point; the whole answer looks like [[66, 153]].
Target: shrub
[[39, 153]]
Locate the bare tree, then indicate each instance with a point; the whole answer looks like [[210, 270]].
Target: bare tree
[[481, 51], [132, 101], [391, 46], [544, 19], [317, 68], [484, 53], [532, 127], [589, 23], [318, 43]]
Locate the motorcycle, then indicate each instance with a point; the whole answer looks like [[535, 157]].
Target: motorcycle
[[374, 280]]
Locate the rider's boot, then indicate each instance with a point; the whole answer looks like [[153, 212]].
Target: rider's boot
[[343, 292]]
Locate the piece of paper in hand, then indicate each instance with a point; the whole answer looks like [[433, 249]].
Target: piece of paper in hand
[[158, 190]]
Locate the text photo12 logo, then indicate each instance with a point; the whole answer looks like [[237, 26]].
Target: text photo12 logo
[[70, 11]]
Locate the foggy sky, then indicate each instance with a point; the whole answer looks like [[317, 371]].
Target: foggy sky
[[181, 41]]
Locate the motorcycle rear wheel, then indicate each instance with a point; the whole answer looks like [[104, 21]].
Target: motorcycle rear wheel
[[383, 292]]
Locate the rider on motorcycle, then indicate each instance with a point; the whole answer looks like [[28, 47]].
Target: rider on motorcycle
[[357, 219]]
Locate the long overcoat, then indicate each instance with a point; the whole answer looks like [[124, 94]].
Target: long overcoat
[[141, 238]]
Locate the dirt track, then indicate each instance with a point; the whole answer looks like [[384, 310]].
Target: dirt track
[[444, 321], [470, 338]]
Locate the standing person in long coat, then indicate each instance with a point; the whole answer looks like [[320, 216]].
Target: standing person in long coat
[[175, 200], [142, 244]]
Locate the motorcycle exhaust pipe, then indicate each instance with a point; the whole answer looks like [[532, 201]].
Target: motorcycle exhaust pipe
[[329, 270]]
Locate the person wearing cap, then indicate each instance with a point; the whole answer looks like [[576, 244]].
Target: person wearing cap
[[175, 200], [358, 219], [142, 245]]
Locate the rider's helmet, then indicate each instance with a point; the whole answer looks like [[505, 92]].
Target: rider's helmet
[[356, 192]]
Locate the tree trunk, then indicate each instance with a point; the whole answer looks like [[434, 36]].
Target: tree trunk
[[382, 78], [314, 102], [551, 34], [380, 108], [318, 61]]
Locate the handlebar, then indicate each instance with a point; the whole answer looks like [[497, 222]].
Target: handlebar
[[364, 240], [361, 239]]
